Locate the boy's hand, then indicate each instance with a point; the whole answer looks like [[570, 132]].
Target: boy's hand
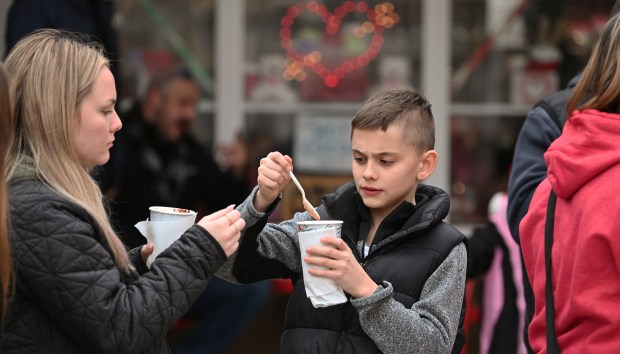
[[272, 178], [343, 267], [225, 226]]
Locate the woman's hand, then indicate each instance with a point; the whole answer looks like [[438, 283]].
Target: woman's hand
[[225, 226], [343, 267], [146, 251], [272, 178]]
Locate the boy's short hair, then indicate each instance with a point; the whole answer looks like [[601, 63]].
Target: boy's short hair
[[399, 106]]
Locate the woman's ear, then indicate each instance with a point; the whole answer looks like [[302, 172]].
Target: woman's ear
[[427, 164]]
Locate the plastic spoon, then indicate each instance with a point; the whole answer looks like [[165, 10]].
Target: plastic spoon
[[307, 205]]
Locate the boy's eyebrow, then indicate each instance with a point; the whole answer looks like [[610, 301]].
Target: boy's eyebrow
[[111, 101], [379, 154]]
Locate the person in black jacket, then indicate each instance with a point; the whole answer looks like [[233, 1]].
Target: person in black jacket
[[403, 268], [77, 290]]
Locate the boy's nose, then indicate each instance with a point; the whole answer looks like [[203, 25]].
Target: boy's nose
[[369, 171]]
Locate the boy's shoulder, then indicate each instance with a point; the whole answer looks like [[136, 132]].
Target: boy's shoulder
[[447, 230], [443, 237]]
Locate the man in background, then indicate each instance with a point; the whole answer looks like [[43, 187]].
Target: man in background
[[157, 161]]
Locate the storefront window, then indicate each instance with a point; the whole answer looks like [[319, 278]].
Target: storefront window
[[157, 33], [330, 51], [309, 62], [507, 55]]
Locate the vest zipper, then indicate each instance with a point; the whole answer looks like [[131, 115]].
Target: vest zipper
[[361, 260], [340, 340]]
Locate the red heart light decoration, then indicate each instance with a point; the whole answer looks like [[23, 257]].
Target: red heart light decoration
[[379, 18]]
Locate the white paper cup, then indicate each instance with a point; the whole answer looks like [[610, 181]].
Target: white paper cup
[[160, 213], [322, 292], [313, 225]]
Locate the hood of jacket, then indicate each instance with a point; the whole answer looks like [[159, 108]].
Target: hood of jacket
[[588, 146]]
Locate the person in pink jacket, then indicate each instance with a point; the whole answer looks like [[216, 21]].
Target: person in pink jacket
[[583, 170]]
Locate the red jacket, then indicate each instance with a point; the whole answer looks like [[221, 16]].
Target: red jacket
[[584, 170]]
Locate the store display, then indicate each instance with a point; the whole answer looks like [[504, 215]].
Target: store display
[[271, 86], [394, 72], [536, 76], [333, 64]]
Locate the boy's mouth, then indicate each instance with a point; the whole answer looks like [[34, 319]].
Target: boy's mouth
[[370, 190]]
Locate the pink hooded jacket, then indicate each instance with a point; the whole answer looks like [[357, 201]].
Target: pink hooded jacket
[[584, 170]]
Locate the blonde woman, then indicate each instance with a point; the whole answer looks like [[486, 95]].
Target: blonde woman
[[5, 134], [76, 288]]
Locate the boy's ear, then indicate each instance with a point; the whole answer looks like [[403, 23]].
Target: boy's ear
[[427, 164]]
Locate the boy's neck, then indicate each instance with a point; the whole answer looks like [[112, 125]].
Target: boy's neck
[[371, 234], [376, 219]]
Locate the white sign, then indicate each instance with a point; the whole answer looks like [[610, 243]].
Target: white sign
[[322, 144]]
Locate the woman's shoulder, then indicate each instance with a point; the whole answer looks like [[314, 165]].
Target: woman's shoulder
[[27, 192], [31, 200]]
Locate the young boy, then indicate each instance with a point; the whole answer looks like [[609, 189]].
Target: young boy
[[401, 266]]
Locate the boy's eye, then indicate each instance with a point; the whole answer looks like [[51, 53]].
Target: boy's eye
[[107, 112], [386, 162], [358, 159]]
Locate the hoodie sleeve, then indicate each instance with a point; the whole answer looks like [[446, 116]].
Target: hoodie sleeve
[[266, 250], [528, 165], [431, 324]]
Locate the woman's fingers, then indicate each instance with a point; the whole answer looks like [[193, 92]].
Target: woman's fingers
[[225, 226], [219, 213]]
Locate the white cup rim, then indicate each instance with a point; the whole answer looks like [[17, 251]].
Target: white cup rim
[[320, 222], [171, 210]]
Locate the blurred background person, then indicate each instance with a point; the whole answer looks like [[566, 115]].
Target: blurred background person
[[497, 274], [157, 161]]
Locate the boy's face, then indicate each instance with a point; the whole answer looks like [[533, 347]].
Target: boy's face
[[387, 169]]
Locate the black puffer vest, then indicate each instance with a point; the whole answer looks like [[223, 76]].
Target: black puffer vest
[[405, 258]]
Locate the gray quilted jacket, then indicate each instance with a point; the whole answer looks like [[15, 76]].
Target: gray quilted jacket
[[71, 298]]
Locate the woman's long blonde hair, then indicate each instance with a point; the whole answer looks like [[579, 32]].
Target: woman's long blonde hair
[[598, 85], [6, 122], [51, 72]]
